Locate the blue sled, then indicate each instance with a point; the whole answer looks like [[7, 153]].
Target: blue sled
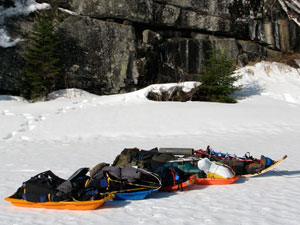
[[138, 195]]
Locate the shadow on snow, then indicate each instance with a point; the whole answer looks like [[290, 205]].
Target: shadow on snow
[[282, 173], [249, 90]]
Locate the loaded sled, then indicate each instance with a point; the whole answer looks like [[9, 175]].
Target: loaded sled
[[222, 168], [135, 174], [46, 190], [177, 167], [83, 192], [245, 166]]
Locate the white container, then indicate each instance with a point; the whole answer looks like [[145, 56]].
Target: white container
[[213, 168]]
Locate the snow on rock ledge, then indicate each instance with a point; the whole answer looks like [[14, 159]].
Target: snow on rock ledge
[[5, 40], [172, 92], [19, 9]]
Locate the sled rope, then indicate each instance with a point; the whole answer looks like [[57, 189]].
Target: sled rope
[[149, 185]]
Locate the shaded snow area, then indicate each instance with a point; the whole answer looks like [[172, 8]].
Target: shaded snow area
[[21, 8], [271, 79], [77, 129]]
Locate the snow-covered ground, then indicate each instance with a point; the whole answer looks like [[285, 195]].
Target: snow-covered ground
[[77, 129]]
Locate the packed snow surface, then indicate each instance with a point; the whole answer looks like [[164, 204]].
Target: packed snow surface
[[77, 129]]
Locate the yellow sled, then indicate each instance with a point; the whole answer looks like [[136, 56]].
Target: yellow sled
[[266, 169], [71, 205]]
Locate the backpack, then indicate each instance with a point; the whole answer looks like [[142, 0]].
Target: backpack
[[46, 186], [40, 187], [158, 160], [74, 187], [149, 160], [114, 179], [171, 176], [128, 157]]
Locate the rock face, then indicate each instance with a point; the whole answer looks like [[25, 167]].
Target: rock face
[[104, 60], [113, 46]]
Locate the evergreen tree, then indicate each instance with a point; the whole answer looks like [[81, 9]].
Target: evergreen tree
[[217, 79], [42, 60]]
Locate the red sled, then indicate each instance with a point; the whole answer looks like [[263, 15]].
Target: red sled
[[190, 181], [214, 181]]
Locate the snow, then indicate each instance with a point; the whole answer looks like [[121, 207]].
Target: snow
[[19, 9], [78, 129], [273, 79], [67, 11], [5, 40]]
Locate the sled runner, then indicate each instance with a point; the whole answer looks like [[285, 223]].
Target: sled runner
[[266, 169], [71, 205], [214, 181], [191, 180]]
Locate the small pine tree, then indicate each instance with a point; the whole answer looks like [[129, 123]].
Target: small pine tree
[[217, 79], [42, 60]]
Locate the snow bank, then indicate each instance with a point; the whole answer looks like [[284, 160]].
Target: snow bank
[[9, 98], [69, 93], [272, 79], [140, 95]]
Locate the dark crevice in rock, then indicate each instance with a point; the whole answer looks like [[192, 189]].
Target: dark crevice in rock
[[167, 30]]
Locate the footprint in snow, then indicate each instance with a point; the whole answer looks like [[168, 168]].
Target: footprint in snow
[[289, 98], [39, 118], [61, 110], [25, 138], [31, 120], [207, 220], [7, 113], [22, 129], [28, 116], [27, 123], [31, 127], [10, 135]]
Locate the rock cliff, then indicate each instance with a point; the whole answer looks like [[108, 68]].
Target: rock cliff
[[114, 46]]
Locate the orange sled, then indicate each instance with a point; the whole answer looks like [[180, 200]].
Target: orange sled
[[72, 205], [191, 180], [214, 181]]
